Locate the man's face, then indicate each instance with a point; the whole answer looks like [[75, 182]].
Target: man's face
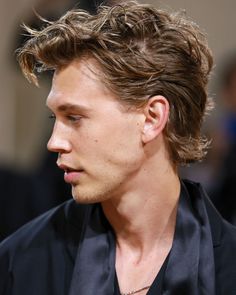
[[97, 139]]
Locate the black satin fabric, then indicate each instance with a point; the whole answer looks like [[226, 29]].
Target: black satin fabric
[[94, 271], [156, 287], [190, 269]]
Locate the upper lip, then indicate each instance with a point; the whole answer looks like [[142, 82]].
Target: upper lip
[[67, 168]]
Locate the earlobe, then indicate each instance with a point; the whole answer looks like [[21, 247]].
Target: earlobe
[[156, 115]]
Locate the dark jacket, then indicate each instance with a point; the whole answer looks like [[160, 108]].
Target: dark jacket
[[39, 258]]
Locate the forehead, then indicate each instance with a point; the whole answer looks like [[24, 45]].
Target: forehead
[[80, 83]]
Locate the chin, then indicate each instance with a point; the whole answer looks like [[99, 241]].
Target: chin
[[98, 191], [89, 196]]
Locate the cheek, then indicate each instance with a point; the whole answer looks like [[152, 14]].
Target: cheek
[[124, 148], [108, 143]]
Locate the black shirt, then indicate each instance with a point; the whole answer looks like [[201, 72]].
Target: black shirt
[[40, 258], [156, 286]]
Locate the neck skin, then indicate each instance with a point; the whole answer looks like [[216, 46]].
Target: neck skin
[[143, 217]]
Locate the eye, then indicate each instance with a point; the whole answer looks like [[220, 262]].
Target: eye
[[73, 118], [52, 116]]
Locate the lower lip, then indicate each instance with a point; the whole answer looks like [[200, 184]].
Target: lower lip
[[71, 177]]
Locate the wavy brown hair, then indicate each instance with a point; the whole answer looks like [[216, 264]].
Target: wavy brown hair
[[142, 52]]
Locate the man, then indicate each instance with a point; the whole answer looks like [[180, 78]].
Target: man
[[128, 98]]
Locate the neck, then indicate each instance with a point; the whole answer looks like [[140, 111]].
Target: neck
[[144, 215]]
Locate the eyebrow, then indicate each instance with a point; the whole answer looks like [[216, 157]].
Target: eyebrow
[[68, 107]]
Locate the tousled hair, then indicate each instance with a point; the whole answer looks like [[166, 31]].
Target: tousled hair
[[142, 52]]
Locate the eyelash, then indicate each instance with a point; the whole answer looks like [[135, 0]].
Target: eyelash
[[75, 118], [70, 118], [52, 116]]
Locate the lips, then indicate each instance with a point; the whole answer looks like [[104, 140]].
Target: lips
[[71, 175], [68, 169]]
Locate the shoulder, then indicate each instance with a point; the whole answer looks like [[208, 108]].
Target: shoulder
[[225, 259], [223, 233], [49, 241], [224, 244], [55, 222], [51, 227]]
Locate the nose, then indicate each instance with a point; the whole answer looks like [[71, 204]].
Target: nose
[[59, 142]]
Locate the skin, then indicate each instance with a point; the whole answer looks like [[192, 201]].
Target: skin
[[93, 138], [119, 158]]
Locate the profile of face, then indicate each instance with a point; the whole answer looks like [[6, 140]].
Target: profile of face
[[98, 139]]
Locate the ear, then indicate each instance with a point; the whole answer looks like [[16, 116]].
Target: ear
[[156, 113]]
